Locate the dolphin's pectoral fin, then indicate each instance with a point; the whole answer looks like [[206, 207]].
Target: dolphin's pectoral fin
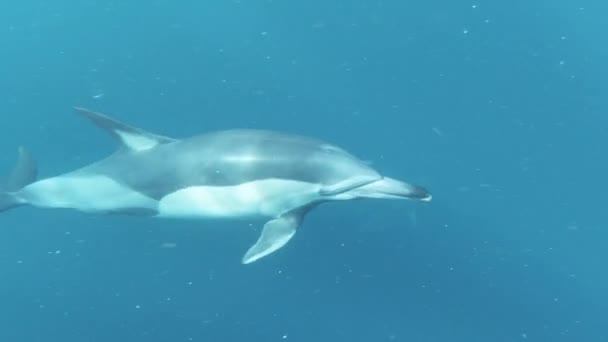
[[346, 185], [275, 234], [132, 138]]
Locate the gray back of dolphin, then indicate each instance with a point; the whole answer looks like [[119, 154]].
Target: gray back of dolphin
[[230, 158]]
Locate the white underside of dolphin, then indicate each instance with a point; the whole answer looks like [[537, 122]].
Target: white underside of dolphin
[[226, 174]]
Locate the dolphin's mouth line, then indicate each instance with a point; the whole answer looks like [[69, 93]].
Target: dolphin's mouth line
[[347, 185], [390, 188]]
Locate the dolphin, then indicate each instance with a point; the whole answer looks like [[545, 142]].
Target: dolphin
[[239, 173]]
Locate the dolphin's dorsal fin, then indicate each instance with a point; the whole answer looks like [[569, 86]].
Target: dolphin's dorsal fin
[[131, 138]]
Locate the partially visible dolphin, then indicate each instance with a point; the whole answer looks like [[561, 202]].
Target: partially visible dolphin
[[224, 174]]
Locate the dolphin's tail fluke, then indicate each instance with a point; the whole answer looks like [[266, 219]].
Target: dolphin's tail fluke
[[24, 173]]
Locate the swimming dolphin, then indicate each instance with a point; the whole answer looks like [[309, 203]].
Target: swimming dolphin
[[224, 174]]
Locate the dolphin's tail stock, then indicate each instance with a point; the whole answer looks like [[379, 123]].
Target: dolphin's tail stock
[[24, 173]]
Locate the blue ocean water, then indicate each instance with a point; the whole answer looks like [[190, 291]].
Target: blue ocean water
[[498, 108]]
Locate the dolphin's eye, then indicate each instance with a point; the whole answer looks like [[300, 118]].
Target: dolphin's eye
[[330, 149]]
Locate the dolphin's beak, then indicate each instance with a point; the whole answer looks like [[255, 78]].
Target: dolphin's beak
[[392, 188]]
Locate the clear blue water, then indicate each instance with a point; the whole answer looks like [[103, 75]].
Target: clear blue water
[[498, 108]]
